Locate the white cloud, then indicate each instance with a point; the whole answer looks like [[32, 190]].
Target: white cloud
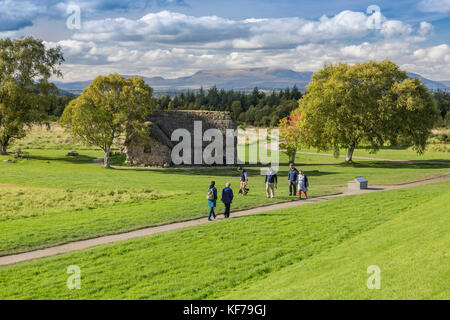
[[16, 15], [441, 6], [395, 28], [436, 54], [172, 44], [169, 28]]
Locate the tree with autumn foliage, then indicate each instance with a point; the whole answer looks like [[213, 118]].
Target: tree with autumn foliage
[[291, 132], [368, 103]]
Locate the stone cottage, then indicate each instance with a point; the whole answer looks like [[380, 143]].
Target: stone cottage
[[157, 150]]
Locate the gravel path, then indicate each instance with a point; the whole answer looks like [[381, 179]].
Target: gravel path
[[84, 244]]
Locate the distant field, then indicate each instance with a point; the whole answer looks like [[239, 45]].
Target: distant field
[[316, 251], [52, 137]]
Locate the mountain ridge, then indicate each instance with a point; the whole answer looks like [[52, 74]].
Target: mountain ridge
[[239, 79]]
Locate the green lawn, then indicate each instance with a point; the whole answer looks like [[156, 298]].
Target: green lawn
[[51, 198], [411, 250], [394, 153], [319, 250]]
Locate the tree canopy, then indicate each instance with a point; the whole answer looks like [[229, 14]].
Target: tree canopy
[[26, 66], [371, 103], [108, 108]]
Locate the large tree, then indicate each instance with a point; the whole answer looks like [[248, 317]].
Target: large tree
[[26, 66], [108, 108], [367, 103]]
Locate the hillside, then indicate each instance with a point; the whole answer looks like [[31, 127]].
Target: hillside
[[240, 79]]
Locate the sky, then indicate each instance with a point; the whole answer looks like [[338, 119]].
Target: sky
[[173, 38]]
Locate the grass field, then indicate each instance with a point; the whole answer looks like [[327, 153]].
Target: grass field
[[394, 153], [51, 198], [319, 250]]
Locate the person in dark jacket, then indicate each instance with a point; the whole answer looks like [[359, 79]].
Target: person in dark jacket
[[227, 199], [271, 183], [212, 197], [292, 177]]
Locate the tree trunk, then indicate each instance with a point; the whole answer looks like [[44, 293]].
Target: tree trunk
[[3, 151], [107, 157], [293, 156], [350, 150]]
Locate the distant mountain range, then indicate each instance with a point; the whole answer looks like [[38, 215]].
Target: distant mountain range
[[239, 79]]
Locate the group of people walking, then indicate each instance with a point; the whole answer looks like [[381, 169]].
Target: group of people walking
[[227, 199], [297, 181]]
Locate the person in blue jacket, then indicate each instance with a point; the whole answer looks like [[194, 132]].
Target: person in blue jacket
[[227, 199], [292, 177], [211, 196]]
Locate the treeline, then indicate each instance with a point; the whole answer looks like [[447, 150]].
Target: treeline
[[57, 105], [256, 108], [443, 102]]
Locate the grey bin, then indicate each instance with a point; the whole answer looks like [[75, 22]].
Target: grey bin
[[358, 183]]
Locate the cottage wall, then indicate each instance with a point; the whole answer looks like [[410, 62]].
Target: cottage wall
[[152, 154], [170, 120]]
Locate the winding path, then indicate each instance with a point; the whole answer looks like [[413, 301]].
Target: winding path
[[84, 244]]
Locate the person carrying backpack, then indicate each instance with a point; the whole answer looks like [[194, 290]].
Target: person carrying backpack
[[211, 196]]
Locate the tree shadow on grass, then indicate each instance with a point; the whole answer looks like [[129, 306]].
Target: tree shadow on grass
[[77, 159], [396, 165], [225, 172]]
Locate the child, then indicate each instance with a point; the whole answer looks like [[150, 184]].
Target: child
[[303, 184]]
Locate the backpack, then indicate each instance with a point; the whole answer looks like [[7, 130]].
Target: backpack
[[210, 194]]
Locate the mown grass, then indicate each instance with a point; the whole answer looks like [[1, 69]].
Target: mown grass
[[432, 153], [404, 231], [49, 172], [411, 250]]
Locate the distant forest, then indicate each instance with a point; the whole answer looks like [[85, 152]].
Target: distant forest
[[258, 107], [255, 108]]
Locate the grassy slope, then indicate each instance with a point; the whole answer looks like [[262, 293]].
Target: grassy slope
[[411, 250], [403, 231], [182, 192]]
